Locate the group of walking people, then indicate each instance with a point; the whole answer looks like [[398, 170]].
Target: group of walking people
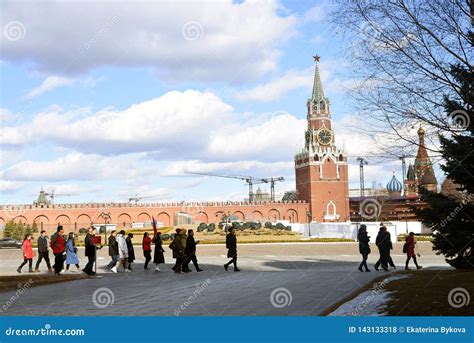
[[384, 245], [121, 251], [183, 246], [63, 248]]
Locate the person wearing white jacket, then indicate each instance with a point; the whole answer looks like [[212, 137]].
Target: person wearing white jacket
[[123, 252]]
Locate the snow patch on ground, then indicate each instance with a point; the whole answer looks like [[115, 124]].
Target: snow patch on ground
[[372, 302]]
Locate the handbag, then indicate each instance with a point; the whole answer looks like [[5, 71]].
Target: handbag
[[405, 248]]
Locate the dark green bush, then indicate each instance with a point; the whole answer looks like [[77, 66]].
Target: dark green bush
[[202, 227]]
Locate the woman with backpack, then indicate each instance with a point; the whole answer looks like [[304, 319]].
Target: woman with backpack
[[71, 252], [27, 254], [178, 250], [409, 249], [58, 245]]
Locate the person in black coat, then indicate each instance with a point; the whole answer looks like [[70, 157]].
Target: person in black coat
[[231, 245], [190, 252], [113, 250], [131, 251], [90, 251], [383, 243], [158, 256], [364, 247], [390, 247]]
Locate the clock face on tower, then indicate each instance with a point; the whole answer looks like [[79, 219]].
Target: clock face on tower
[[324, 136]]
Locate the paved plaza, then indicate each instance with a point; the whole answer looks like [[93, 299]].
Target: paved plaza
[[276, 279]]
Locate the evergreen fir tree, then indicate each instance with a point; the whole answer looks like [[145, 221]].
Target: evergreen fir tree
[[451, 216], [9, 229], [34, 228], [19, 232]]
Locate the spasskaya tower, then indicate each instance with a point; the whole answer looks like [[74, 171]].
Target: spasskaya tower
[[321, 167]]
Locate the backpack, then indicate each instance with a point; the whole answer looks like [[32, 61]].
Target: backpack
[[405, 248], [53, 240]]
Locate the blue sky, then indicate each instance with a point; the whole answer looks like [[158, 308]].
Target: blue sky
[[103, 100]]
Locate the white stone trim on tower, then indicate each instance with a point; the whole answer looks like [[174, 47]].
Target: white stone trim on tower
[[328, 215]]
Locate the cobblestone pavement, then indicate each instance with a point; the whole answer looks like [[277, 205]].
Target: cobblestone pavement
[[276, 279]]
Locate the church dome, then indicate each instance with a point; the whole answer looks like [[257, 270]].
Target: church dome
[[428, 178], [394, 186], [411, 173]]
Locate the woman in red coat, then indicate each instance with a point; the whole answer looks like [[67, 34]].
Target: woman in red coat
[[27, 254], [146, 249], [410, 250]]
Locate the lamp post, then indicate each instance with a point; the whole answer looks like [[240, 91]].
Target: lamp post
[[106, 216]]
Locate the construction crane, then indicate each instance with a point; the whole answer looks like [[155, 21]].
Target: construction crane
[[272, 181], [362, 162], [250, 180], [136, 198], [52, 195]]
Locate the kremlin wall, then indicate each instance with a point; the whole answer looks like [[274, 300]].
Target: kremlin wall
[[322, 192]]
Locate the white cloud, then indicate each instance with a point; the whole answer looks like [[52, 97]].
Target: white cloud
[[74, 166], [254, 168], [168, 124], [296, 79], [5, 116], [276, 88], [178, 131], [275, 139], [181, 40], [175, 126], [7, 186], [315, 14], [48, 84], [72, 189]]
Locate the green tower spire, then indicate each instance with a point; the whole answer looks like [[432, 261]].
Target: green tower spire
[[318, 93]]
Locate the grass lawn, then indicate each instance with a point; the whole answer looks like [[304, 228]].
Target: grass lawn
[[246, 236], [28, 280], [425, 293]]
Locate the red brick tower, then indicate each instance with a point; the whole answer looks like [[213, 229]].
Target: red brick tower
[[321, 168], [423, 167]]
